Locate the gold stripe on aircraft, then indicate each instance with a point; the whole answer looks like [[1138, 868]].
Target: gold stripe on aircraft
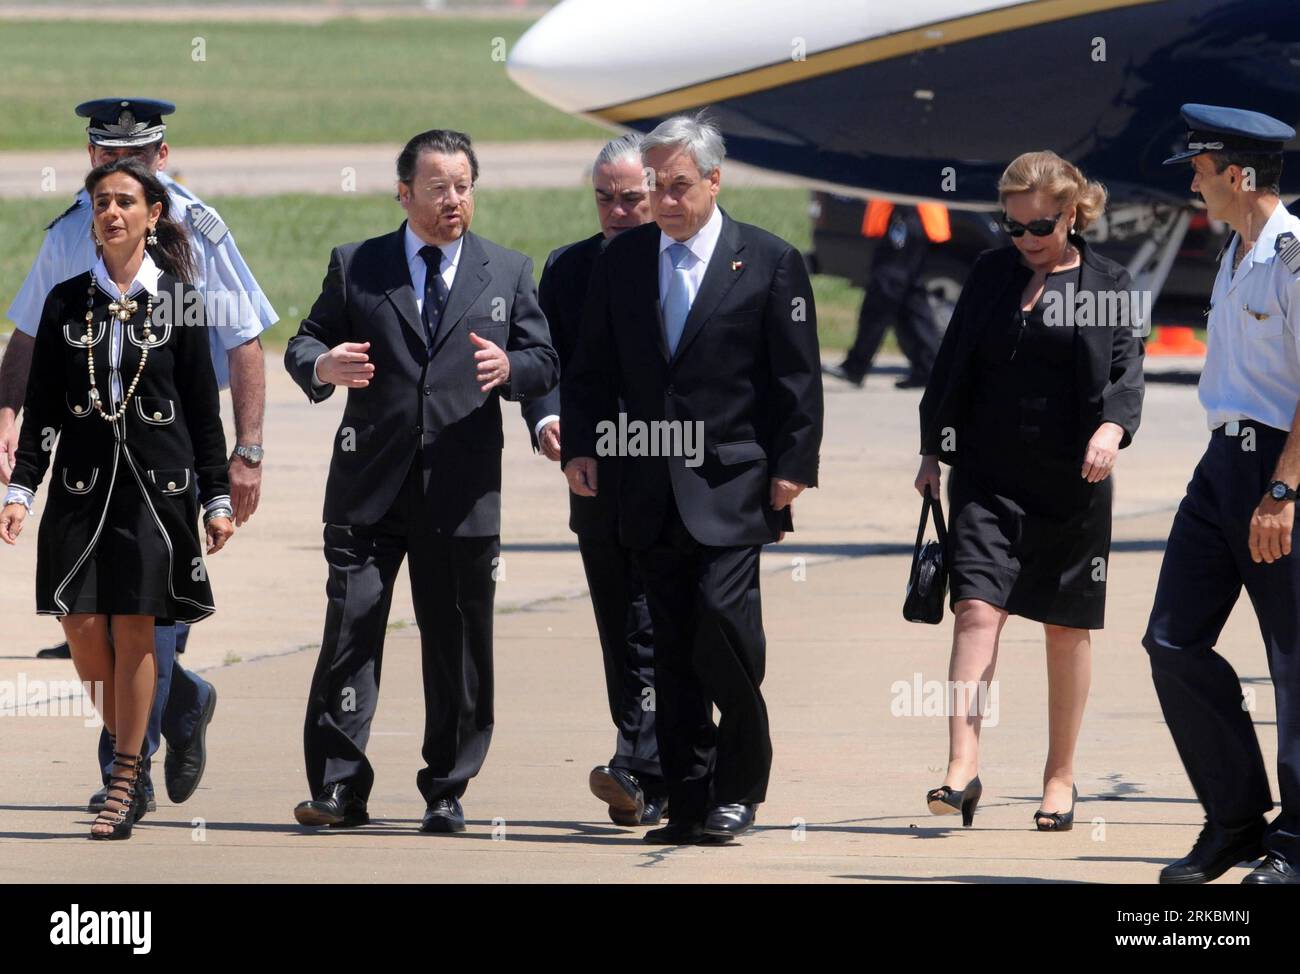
[[905, 42]]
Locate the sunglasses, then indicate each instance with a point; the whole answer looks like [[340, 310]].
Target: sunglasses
[[1039, 228]]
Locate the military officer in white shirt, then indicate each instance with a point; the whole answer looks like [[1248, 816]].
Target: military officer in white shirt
[[1235, 526], [238, 311]]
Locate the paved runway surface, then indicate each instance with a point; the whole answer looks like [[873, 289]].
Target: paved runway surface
[[846, 801], [327, 169]]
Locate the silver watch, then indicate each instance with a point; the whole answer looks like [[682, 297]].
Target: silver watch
[[251, 454]]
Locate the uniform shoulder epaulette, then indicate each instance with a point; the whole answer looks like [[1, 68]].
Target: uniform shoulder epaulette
[[75, 203], [1288, 251], [205, 221]]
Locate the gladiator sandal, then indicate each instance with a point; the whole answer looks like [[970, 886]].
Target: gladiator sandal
[[121, 791]]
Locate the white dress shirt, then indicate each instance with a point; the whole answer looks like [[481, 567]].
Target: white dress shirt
[[1252, 357], [146, 279], [419, 272], [701, 246]]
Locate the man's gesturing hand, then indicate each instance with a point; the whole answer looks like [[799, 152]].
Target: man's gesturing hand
[[581, 474], [346, 365], [493, 363]]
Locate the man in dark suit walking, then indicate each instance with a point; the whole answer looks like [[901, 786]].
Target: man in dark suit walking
[[705, 329], [632, 783], [427, 328]]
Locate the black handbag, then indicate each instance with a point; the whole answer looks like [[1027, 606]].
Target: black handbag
[[927, 585]]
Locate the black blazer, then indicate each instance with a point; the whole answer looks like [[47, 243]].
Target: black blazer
[[171, 429], [1108, 363], [173, 423], [747, 368], [416, 397], [562, 294]]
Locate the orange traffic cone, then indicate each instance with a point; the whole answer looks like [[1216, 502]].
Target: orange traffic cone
[[1175, 340]]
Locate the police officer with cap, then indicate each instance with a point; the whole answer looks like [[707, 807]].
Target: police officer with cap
[[239, 311], [1235, 524]]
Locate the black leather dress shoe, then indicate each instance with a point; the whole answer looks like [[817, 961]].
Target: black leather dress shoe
[[619, 790], [445, 815], [656, 806], [729, 821], [845, 373], [1216, 851], [686, 832], [1273, 871], [336, 806], [183, 766], [61, 651], [912, 382]]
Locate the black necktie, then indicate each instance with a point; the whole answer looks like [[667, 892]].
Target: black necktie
[[435, 292]]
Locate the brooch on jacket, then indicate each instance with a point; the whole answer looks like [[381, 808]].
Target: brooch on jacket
[[124, 309]]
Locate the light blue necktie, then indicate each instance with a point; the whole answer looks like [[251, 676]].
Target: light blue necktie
[[677, 302]]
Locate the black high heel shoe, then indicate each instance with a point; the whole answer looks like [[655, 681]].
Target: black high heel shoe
[[945, 801], [121, 789], [1061, 821]]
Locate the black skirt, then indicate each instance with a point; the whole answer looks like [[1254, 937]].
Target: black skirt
[[128, 569], [1026, 532], [1046, 563]]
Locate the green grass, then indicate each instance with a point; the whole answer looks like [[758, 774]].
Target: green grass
[[287, 239], [340, 81]]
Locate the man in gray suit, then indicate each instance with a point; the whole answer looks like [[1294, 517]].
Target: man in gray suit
[[427, 328]]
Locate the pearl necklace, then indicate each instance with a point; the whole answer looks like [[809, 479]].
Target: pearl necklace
[[123, 310]]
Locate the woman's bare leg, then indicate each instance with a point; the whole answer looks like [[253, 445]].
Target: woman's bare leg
[[92, 656], [135, 675], [1069, 674], [974, 658]]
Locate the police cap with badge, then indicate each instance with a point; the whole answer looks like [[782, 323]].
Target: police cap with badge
[[125, 123], [132, 123], [1214, 128]]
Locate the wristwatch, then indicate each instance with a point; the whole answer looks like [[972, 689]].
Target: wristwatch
[[1279, 491], [252, 454]]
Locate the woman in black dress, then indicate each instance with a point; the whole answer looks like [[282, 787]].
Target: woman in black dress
[[122, 374], [1037, 386]]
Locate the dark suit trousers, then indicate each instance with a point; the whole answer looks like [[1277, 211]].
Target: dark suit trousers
[[896, 295], [452, 586], [1206, 564], [709, 650], [627, 645], [177, 704]]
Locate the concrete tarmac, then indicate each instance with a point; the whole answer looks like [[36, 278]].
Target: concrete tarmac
[[847, 685], [268, 170]]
